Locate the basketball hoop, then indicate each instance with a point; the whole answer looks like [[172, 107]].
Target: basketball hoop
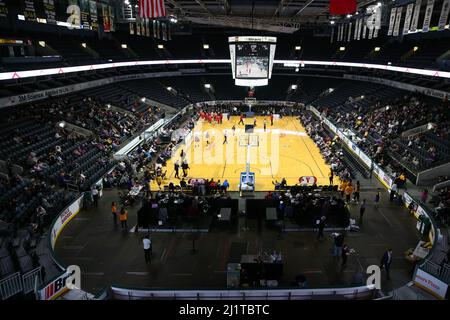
[[250, 101]]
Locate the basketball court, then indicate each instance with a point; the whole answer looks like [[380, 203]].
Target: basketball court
[[283, 150]]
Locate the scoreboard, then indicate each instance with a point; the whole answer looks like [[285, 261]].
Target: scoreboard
[[252, 59]]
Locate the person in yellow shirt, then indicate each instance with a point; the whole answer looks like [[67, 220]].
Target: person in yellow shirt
[[159, 181], [342, 187], [114, 212], [123, 217], [348, 192]]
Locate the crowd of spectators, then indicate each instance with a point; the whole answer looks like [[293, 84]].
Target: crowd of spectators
[[326, 144], [379, 129], [44, 157]]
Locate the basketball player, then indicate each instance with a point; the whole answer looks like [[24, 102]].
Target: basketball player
[[233, 128], [176, 167], [265, 124], [207, 137], [254, 123], [241, 119], [225, 137]]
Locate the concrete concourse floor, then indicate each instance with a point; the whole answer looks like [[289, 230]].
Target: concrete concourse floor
[[109, 256]]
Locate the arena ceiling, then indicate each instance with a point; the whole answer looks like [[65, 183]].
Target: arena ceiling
[[286, 16]]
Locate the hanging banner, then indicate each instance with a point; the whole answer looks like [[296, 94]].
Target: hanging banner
[[391, 21], [349, 36], [355, 33], [360, 25], [408, 16], [158, 29], [131, 28], [332, 35], [28, 10], [375, 32], [49, 10], [164, 31], [154, 28], [138, 26], [415, 17], [444, 15], [364, 30], [338, 38], [85, 8], [398, 19], [428, 14], [143, 31], [147, 27], [373, 14], [370, 36], [105, 17], [112, 19], [93, 14], [3, 9]]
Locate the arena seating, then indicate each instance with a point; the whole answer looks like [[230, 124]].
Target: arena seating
[[312, 48]]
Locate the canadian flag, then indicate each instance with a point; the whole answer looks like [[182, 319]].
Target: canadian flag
[[151, 9], [342, 6]]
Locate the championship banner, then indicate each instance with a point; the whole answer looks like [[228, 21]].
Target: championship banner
[[158, 29], [364, 28], [332, 35], [131, 28], [415, 17], [143, 31], [444, 15], [49, 10], [93, 14], [344, 29], [105, 16], [147, 27], [339, 33], [138, 26], [349, 35], [3, 9], [360, 26], [154, 29], [370, 36], [164, 31], [84, 9], [391, 21], [428, 13], [112, 19], [373, 14], [409, 11], [355, 33], [28, 10], [398, 19]]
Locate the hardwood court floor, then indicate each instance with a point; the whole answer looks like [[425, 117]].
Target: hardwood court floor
[[284, 151]]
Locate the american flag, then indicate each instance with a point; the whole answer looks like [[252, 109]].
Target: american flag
[[151, 9]]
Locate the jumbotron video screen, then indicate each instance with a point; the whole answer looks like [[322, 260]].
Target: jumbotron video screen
[[252, 60]]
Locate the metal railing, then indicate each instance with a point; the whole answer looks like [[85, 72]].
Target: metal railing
[[31, 280], [10, 286], [440, 271], [18, 283], [352, 293]]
